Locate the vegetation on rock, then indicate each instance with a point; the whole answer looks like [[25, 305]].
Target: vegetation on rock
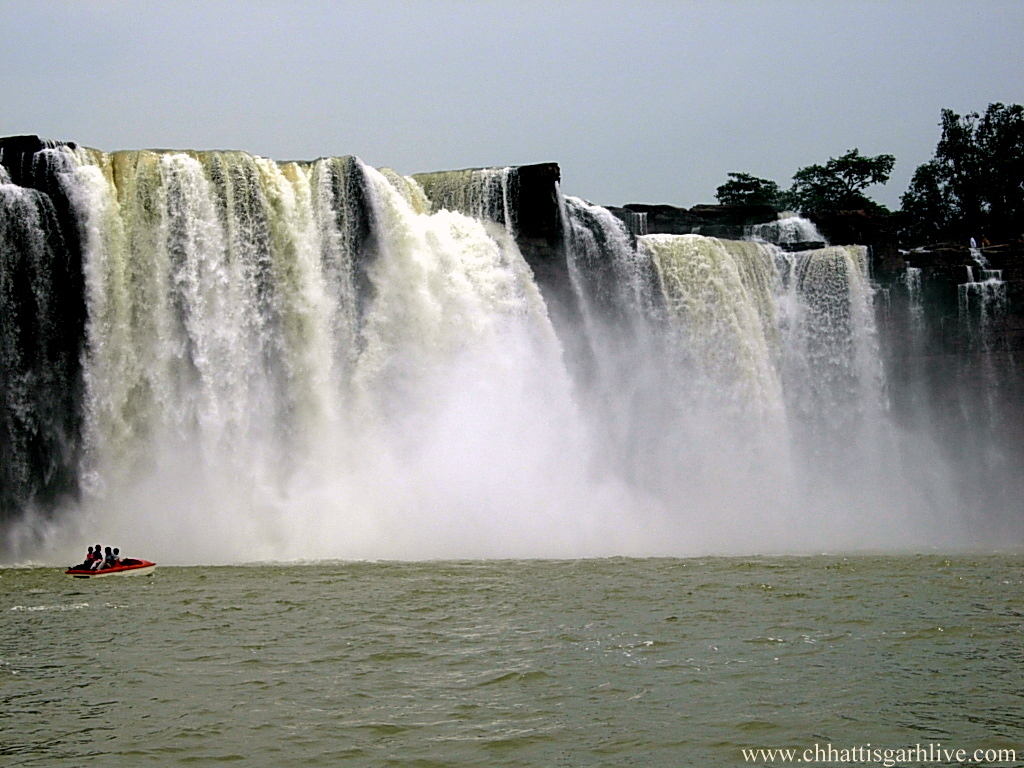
[[972, 187]]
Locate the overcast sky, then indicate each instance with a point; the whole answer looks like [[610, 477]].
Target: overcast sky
[[637, 101]]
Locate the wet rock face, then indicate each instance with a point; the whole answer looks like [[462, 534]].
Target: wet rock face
[[537, 215], [17, 153], [42, 322], [524, 196]]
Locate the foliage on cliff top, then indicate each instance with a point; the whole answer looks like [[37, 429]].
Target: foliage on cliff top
[[974, 185], [838, 185], [744, 189]]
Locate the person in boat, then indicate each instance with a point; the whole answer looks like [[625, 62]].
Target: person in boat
[[87, 564], [97, 559], [117, 557], [108, 560]]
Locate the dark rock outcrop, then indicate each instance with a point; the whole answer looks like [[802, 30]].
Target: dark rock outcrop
[[725, 221], [858, 228], [17, 154]]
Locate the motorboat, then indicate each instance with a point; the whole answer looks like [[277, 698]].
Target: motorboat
[[129, 566]]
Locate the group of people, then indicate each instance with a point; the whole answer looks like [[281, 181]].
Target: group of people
[[99, 558]]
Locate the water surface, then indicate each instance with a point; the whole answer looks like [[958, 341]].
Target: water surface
[[655, 662]]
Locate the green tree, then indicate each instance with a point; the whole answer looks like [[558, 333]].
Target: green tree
[[973, 183], [928, 210], [839, 184], [744, 189]]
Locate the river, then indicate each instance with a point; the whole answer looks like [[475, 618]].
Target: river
[[593, 662]]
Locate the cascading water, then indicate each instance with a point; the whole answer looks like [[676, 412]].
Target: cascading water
[[782, 360], [482, 193], [300, 361], [614, 281], [981, 301], [40, 325], [912, 284], [327, 360], [720, 295], [982, 305], [211, 334], [787, 230], [26, 259]]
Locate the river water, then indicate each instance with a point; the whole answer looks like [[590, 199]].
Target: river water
[[603, 662]]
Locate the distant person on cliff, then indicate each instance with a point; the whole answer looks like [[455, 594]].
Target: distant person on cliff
[[985, 243]]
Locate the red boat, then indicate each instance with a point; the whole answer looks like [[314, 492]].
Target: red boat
[[127, 567]]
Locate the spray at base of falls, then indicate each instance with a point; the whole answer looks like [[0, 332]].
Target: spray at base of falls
[[324, 360]]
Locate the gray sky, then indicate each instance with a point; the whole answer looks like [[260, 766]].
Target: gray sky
[[637, 101]]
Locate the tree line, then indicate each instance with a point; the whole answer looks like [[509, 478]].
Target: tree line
[[972, 187]]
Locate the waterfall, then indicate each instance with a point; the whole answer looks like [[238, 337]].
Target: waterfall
[[982, 306], [912, 284], [265, 338], [250, 360], [613, 279], [445, 285], [978, 256], [841, 344], [719, 294], [982, 303], [30, 366], [774, 334], [636, 221], [788, 230], [209, 316], [40, 321], [482, 193]]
